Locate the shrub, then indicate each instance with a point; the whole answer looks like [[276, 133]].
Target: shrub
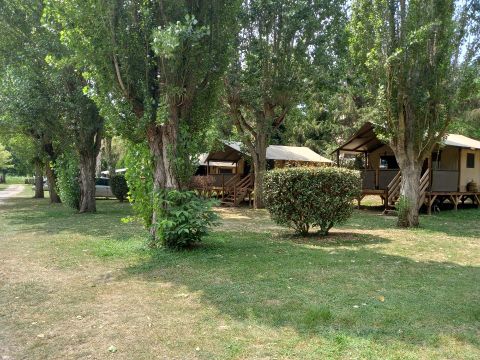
[[66, 168], [119, 187], [301, 198], [183, 218]]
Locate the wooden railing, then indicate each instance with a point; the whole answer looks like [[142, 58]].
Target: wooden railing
[[377, 179], [232, 181], [235, 195], [424, 184], [393, 189]]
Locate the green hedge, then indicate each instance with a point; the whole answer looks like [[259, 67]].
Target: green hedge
[[302, 198], [66, 168], [119, 187]]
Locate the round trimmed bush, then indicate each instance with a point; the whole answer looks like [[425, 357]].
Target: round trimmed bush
[[302, 198], [119, 187]]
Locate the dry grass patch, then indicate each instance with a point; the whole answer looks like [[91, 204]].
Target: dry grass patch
[[73, 286]]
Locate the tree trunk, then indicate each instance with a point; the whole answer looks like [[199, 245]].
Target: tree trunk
[[409, 194], [39, 193], [260, 167], [87, 166], [3, 177], [52, 185], [259, 154], [109, 157], [98, 165], [162, 141]]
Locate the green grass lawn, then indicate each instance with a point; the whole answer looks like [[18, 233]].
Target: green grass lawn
[[13, 179], [72, 286]]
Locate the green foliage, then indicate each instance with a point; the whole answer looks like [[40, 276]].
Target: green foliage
[[183, 218], [68, 186], [408, 57], [283, 48], [119, 187], [390, 42], [140, 181], [301, 198], [152, 63], [5, 158]]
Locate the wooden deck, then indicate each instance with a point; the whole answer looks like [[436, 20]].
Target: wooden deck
[[455, 197], [429, 198], [231, 190]]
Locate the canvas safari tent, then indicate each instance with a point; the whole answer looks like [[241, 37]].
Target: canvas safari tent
[[450, 174], [227, 173]]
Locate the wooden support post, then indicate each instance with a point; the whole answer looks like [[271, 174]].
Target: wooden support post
[[459, 167], [385, 202], [454, 199], [431, 200], [430, 170]]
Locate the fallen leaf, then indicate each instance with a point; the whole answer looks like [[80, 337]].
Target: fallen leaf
[[381, 298]]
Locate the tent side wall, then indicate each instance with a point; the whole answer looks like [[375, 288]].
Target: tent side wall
[[468, 174], [238, 169], [374, 156]]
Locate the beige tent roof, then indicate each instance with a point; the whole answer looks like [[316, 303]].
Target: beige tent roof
[[295, 153], [202, 161], [233, 151], [365, 140], [461, 141]]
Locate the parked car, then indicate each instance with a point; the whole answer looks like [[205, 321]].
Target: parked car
[[102, 188], [45, 185]]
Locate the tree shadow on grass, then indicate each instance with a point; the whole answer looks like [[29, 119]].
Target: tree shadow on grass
[[355, 291], [42, 217], [335, 238], [461, 223]]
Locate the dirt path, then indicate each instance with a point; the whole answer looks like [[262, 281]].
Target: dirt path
[[9, 192]]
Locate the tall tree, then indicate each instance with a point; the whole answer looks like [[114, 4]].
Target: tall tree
[[157, 64], [280, 46], [42, 94], [5, 163], [407, 54], [27, 104], [84, 125]]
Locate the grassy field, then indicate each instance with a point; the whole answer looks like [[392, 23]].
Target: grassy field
[[84, 286], [13, 179]]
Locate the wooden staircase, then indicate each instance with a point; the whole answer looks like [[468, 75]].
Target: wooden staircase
[[393, 190], [237, 191]]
